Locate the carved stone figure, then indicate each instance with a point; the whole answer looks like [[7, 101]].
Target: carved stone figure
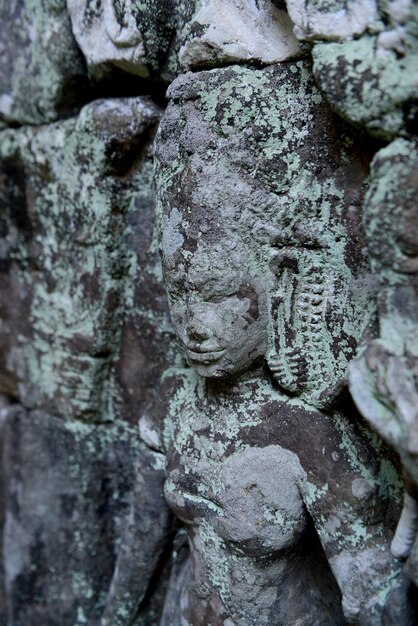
[[268, 514], [242, 477], [384, 378], [238, 121]]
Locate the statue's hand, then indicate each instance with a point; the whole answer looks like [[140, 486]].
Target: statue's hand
[[407, 528]]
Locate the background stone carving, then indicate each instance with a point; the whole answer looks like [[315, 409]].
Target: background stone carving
[[383, 380], [85, 333]]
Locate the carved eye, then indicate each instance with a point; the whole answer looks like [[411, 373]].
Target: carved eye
[[218, 298]]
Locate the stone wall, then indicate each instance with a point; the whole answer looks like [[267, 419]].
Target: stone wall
[[208, 313]]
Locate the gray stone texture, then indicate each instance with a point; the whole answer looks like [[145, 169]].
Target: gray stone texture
[[84, 336], [222, 32], [42, 72], [141, 38], [79, 257]]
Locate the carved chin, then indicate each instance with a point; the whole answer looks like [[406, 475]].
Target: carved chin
[[219, 367]]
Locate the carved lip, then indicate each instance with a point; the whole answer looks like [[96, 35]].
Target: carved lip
[[204, 356]]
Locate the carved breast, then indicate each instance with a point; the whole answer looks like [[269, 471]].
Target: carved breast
[[250, 498]]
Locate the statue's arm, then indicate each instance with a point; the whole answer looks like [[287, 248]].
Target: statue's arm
[[347, 495]]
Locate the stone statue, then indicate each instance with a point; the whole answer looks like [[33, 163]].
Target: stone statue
[[384, 378], [285, 497], [243, 478], [269, 516]]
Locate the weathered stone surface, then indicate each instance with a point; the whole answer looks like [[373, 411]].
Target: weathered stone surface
[[370, 80], [68, 490], [42, 73], [341, 19], [384, 378], [152, 40], [85, 334], [224, 32], [79, 257], [141, 38]]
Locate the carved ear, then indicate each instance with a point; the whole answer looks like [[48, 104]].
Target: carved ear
[[288, 257], [307, 357]]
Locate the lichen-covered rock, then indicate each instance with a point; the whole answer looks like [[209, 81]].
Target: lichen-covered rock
[[224, 32], [78, 209], [341, 19], [365, 60], [67, 493], [147, 342], [42, 72], [372, 87], [138, 37], [384, 377]]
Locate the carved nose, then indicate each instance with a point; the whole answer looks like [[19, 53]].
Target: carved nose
[[197, 331]]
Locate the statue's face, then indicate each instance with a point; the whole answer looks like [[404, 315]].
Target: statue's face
[[219, 313]]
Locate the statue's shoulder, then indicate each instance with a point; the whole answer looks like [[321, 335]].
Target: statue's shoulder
[[333, 445]]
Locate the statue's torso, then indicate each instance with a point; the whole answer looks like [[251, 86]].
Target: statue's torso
[[239, 497]]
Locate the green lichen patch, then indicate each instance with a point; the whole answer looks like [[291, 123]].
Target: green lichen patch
[[82, 197]]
